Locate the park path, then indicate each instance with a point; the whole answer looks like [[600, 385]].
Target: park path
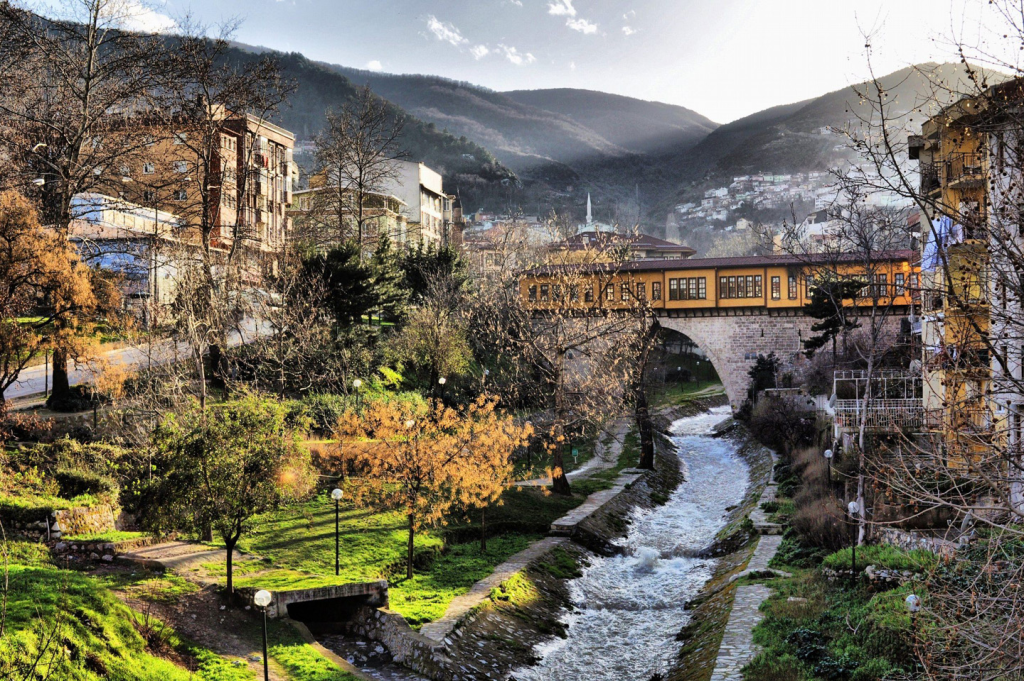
[[606, 455]]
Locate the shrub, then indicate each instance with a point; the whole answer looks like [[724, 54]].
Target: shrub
[[76, 482], [793, 552], [820, 523], [782, 424], [324, 410]]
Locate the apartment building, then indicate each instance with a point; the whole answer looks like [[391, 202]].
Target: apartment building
[[434, 218], [326, 216], [973, 357], [248, 179]]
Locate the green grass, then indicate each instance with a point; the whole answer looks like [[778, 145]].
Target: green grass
[[300, 660], [678, 394], [110, 537], [99, 635], [882, 556], [297, 545]]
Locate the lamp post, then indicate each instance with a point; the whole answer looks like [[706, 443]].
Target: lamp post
[[336, 495], [913, 603], [357, 384], [262, 599], [854, 508], [441, 381], [828, 463]]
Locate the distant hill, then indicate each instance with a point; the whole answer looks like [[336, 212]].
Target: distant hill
[[636, 125], [790, 138], [468, 168], [519, 134]]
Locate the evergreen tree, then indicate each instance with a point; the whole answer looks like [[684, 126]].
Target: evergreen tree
[[424, 264], [347, 284], [389, 281], [826, 305]]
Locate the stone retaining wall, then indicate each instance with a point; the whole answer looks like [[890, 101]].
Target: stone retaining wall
[[93, 520], [908, 541]]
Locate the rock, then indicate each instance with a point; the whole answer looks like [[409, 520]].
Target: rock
[[796, 599], [107, 558], [255, 658], [223, 607], [61, 547], [94, 556], [55, 527]]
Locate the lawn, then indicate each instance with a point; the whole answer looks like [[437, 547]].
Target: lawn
[[677, 394], [99, 635], [297, 545]]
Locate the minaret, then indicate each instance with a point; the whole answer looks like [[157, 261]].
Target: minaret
[[590, 214]]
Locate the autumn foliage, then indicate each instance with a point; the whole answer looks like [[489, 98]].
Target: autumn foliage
[[431, 458]]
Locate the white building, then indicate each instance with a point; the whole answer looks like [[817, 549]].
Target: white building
[[422, 191]]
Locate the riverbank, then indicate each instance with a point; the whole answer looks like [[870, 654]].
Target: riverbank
[[734, 547]]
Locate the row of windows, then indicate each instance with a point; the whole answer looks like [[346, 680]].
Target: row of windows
[[740, 287], [688, 288], [695, 288]]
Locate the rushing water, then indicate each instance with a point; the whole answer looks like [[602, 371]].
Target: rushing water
[[630, 607]]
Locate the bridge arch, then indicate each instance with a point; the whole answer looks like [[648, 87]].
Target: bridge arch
[[733, 342]]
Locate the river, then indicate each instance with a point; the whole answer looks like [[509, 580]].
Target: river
[[629, 607]]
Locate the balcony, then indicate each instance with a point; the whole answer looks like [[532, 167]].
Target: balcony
[[929, 178], [882, 415], [963, 170]]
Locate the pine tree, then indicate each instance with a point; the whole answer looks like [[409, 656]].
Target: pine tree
[[826, 304], [347, 283], [389, 282]]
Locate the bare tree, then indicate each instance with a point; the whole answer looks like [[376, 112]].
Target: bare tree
[[76, 88], [357, 154]]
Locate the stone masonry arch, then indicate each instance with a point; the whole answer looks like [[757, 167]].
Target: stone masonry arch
[[732, 343]]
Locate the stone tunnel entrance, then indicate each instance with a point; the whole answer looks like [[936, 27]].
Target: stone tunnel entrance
[[333, 615]]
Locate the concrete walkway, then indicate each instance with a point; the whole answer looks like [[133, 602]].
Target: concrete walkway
[[567, 523], [737, 648], [481, 591]]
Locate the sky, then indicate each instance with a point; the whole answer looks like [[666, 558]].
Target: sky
[[722, 58]]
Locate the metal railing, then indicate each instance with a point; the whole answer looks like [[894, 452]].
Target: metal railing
[[963, 167], [882, 415]]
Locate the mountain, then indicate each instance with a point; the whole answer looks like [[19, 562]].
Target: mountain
[[527, 129], [636, 125], [793, 137], [468, 168]]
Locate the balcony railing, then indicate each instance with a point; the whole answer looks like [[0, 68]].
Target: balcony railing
[[964, 168], [929, 178], [882, 415]]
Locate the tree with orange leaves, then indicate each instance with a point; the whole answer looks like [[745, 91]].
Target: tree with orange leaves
[[431, 458], [40, 278]]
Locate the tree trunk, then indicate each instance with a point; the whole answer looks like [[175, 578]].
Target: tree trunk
[[230, 545], [60, 386], [412, 533], [483, 529], [559, 483]]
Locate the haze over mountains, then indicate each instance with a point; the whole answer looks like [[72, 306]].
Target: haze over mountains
[[637, 158]]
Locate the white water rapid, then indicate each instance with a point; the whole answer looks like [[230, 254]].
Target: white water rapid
[[630, 607]]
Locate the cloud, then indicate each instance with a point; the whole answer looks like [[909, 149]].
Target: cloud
[[628, 30], [561, 8], [581, 25], [572, 66], [445, 32], [374, 65], [629, 15], [133, 15], [479, 51], [517, 3], [515, 56]]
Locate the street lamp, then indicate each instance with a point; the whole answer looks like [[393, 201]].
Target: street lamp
[[854, 508], [336, 495], [441, 381], [262, 600], [828, 462], [357, 384], [913, 603]]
